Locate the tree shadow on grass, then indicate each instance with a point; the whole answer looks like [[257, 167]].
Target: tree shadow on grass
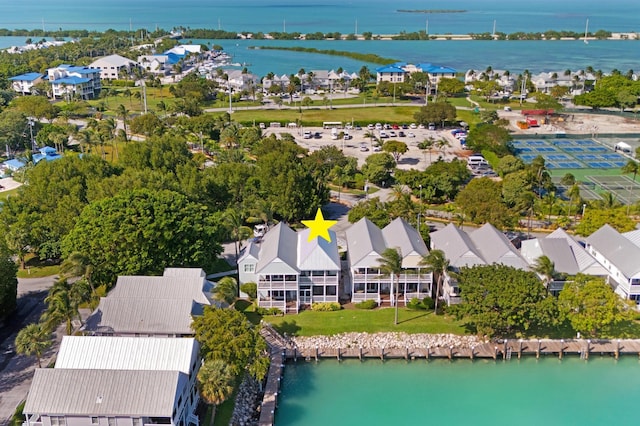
[[289, 327], [247, 308], [415, 315]]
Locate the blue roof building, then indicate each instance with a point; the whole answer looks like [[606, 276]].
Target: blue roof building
[[14, 164], [391, 73], [47, 153], [73, 81], [24, 82]]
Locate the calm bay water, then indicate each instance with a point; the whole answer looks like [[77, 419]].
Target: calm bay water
[[547, 392], [378, 16]]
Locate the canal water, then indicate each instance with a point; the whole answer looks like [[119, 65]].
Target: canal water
[[601, 391]]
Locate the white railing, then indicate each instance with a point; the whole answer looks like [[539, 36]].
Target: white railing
[[277, 285], [412, 294], [360, 297], [323, 299], [265, 303], [318, 280]]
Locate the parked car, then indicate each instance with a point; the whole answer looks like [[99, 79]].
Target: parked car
[[431, 126], [401, 134], [395, 127], [383, 134], [421, 126], [307, 134], [347, 137], [378, 126], [377, 148], [413, 126], [404, 126], [363, 147], [317, 135], [392, 134], [370, 126], [411, 135]]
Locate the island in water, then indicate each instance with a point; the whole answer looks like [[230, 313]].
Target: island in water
[[431, 10]]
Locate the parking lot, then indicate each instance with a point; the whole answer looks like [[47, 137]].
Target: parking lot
[[360, 143]]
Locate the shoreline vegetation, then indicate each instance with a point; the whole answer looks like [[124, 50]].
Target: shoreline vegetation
[[365, 57], [219, 34], [432, 10]]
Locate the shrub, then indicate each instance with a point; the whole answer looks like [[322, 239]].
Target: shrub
[[415, 304], [326, 307], [267, 311], [251, 289], [366, 304], [428, 303]]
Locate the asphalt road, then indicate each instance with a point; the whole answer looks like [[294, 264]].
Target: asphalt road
[[16, 370]]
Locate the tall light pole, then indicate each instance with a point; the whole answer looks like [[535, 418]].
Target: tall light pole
[[584, 206], [420, 211]]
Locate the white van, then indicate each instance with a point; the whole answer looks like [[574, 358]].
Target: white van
[[476, 160], [307, 134]]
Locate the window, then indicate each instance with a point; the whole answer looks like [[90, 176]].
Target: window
[[249, 267], [137, 422], [318, 290], [330, 290], [111, 421], [95, 421], [58, 421]]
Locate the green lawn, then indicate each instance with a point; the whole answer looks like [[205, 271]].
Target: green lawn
[[35, 268], [6, 194], [315, 116], [309, 323], [581, 174]]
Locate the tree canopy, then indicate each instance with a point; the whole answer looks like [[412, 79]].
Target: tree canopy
[[501, 300], [142, 232], [226, 335], [436, 112], [481, 201], [595, 218], [592, 307], [8, 283]]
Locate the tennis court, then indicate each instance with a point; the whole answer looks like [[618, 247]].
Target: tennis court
[[626, 190], [587, 189], [569, 154]]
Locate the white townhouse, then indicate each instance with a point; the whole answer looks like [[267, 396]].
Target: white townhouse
[[504, 78], [155, 64], [161, 306], [391, 73], [99, 353], [68, 81], [94, 397], [365, 245], [290, 271], [111, 66], [238, 81], [24, 82], [484, 246], [620, 255], [436, 72], [568, 256]]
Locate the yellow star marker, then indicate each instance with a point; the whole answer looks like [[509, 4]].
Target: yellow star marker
[[319, 227]]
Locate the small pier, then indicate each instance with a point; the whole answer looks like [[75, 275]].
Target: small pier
[[497, 350], [277, 348]]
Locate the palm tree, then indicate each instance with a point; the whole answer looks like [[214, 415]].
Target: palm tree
[[436, 262], [78, 265], [574, 196], [235, 223], [226, 290], [631, 167], [123, 113], [63, 303], [545, 267], [391, 264], [34, 339], [215, 381]]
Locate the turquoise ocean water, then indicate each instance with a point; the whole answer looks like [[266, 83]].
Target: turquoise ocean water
[[532, 392], [378, 16]]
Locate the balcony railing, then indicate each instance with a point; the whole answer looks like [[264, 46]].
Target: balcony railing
[[415, 295], [277, 285], [360, 297], [322, 299], [424, 278], [267, 303], [318, 280]]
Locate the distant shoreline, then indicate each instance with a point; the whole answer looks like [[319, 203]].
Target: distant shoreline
[[431, 11]]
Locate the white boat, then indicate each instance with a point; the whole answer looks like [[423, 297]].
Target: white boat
[[586, 31]]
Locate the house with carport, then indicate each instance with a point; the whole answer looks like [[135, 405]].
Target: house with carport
[[23, 83], [483, 246], [365, 246], [620, 255]]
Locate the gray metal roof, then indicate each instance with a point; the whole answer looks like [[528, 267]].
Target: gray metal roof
[[185, 284], [278, 251], [104, 392], [112, 60], [494, 247], [586, 263], [185, 273], [144, 316], [318, 254], [633, 236], [457, 246], [559, 252], [251, 250], [620, 251], [127, 353], [412, 247], [365, 244]]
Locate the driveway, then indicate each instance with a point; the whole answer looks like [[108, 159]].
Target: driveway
[[16, 370]]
